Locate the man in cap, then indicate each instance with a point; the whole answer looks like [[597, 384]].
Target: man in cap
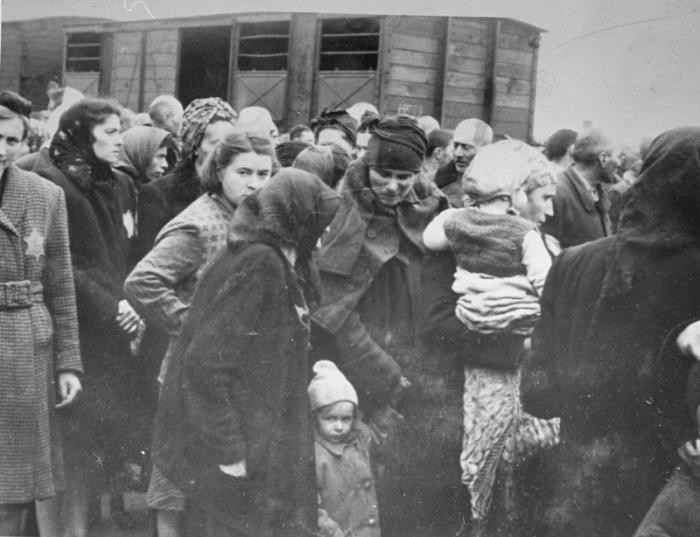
[[468, 137], [581, 205]]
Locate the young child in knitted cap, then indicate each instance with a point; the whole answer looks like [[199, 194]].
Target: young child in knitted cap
[[346, 491], [502, 264]]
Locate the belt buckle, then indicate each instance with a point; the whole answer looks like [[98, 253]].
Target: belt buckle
[[17, 294]]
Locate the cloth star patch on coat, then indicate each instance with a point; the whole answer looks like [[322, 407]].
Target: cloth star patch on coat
[[35, 244]]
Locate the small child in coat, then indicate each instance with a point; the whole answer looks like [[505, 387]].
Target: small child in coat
[[346, 490]]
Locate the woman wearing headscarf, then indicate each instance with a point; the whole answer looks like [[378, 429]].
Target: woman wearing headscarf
[[205, 123], [604, 353], [370, 272], [104, 427], [147, 153], [162, 284], [233, 426]]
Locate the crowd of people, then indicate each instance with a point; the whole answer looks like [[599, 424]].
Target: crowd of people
[[369, 325]]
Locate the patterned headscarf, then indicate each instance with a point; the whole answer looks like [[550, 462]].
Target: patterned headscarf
[[197, 116]]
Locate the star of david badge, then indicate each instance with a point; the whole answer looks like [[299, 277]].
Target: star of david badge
[[35, 244]]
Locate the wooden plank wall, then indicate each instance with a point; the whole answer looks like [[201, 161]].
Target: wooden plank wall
[[10, 56], [514, 81], [467, 65], [162, 50], [126, 66], [411, 67], [160, 73]]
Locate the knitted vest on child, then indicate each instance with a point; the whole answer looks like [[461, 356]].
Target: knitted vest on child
[[488, 243]]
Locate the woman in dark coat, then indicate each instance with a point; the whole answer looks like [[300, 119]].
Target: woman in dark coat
[[370, 264], [233, 427], [611, 310], [103, 428]]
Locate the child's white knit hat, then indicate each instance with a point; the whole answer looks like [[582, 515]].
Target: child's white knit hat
[[329, 386]]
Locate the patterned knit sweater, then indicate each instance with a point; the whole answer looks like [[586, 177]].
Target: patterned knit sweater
[[487, 243]]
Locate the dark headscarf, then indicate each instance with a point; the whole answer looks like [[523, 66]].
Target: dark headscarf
[[397, 143], [662, 213], [195, 119], [71, 147], [140, 146], [336, 119], [292, 210]]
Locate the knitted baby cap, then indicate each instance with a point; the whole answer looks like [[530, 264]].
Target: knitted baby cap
[[501, 168], [329, 386]]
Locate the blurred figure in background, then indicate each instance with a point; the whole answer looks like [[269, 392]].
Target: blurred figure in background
[[428, 124], [301, 133], [439, 153], [166, 113], [335, 127], [559, 148]]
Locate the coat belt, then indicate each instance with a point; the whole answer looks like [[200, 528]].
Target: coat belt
[[20, 294]]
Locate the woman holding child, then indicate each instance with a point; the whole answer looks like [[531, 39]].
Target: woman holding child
[[502, 263]]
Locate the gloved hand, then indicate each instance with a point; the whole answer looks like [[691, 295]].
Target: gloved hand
[[383, 423]]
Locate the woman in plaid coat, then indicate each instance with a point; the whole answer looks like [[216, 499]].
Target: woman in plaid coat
[[39, 352]]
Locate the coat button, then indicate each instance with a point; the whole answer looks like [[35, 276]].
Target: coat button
[[367, 483], [372, 522]]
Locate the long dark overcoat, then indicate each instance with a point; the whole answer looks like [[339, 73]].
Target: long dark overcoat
[[38, 334], [605, 357], [235, 388], [107, 418]]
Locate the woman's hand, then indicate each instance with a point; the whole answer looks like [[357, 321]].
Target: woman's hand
[[128, 319], [237, 469], [69, 387]]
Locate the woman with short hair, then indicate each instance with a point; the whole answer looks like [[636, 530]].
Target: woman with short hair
[[162, 284]]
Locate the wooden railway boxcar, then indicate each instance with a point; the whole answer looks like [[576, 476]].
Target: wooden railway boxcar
[[295, 64]]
